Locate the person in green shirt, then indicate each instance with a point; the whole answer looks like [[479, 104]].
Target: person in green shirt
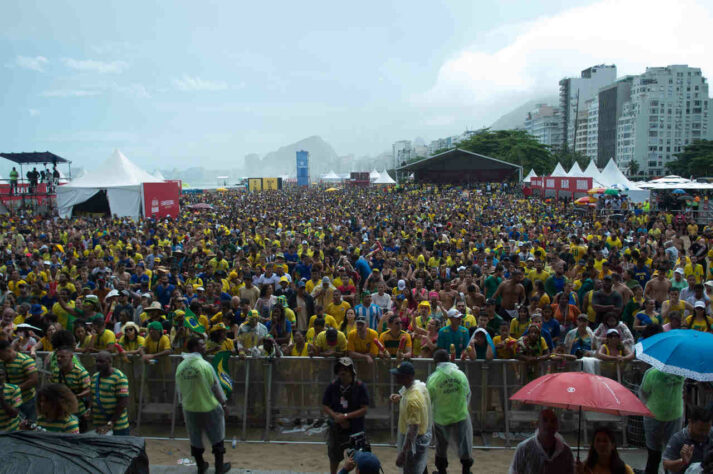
[[663, 395], [450, 395], [10, 401], [204, 404], [13, 180]]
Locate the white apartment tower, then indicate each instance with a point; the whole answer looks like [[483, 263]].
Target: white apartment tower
[[544, 123], [575, 92], [668, 109], [402, 151]]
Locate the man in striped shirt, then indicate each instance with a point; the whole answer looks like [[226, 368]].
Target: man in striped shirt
[[110, 396], [69, 372], [21, 371], [10, 401], [369, 310]]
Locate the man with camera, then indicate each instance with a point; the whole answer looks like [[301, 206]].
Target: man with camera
[[364, 462], [345, 402]]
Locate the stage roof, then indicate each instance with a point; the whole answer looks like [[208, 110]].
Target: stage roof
[[34, 157], [456, 153]]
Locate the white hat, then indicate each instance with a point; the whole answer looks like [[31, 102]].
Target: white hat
[[454, 313], [530, 258], [613, 332], [709, 283], [111, 294], [679, 270], [401, 285], [700, 304]]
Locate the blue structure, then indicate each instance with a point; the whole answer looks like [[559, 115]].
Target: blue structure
[[302, 168]]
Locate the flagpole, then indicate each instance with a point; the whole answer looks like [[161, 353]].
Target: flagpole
[[579, 430]]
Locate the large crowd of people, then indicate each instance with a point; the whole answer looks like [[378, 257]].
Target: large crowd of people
[[483, 273]]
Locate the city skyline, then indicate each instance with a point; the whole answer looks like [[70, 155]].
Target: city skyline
[[189, 86]]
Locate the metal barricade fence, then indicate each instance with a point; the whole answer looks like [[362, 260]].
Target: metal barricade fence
[[270, 396]]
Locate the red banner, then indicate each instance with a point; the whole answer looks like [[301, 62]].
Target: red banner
[[161, 199], [571, 185]]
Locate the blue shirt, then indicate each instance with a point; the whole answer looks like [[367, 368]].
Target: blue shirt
[[362, 266], [459, 338], [372, 314], [164, 294]]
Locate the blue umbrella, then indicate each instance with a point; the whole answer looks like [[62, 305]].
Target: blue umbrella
[[684, 352], [678, 191]]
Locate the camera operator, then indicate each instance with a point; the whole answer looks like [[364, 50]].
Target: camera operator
[[345, 402], [364, 462]]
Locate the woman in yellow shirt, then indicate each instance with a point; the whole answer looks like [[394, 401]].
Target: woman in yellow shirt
[[521, 323], [299, 346], [131, 341], [698, 321]]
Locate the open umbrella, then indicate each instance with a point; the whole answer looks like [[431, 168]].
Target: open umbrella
[[596, 191], [678, 191], [330, 190], [612, 192], [584, 392], [585, 200], [680, 352], [199, 206], [222, 190]]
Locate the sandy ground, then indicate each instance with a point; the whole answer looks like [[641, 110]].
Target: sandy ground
[[313, 458], [306, 458]]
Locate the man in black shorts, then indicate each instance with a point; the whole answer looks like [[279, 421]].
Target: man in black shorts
[[345, 402]]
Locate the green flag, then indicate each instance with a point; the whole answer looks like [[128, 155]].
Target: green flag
[[220, 365], [190, 321]]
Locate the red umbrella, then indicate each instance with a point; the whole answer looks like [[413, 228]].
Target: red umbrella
[[581, 391]]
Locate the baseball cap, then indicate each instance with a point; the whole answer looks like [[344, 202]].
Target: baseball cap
[[454, 313], [700, 304], [401, 285], [360, 319], [301, 284], [367, 463], [613, 332], [405, 368], [344, 362], [679, 270], [325, 279]]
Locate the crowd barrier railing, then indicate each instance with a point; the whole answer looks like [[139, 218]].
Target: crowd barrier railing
[[265, 390]]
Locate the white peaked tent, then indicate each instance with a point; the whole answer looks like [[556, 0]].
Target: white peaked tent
[[374, 175], [575, 171], [384, 178], [331, 176], [612, 176], [157, 174], [119, 177], [558, 172], [529, 176], [593, 172]]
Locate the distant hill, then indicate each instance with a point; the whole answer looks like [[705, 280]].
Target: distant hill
[[322, 158], [516, 118]]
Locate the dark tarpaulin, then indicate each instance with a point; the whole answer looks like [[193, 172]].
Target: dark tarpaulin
[[34, 157], [45, 453]]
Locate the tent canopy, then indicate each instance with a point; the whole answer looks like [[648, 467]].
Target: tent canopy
[[611, 175], [576, 172], [529, 176], [34, 157], [384, 178], [331, 176], [119, 177], [374, 174], [558, 171]]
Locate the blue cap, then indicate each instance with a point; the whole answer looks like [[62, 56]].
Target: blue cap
[[36, 309], [367, 463]]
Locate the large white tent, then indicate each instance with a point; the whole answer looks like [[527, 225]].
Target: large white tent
[[120, 178], [384, 178], [674, 182], [374, 175], [593, 172]]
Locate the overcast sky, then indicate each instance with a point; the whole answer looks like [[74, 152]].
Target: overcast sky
[[202, 83]]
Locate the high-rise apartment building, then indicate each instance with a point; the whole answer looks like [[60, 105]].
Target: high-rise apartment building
[[611, 104], [668, 109], [574, 94], [544, 123], [402, 151]]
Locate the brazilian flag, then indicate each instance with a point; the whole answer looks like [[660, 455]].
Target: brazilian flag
[[220, 365], [190, 321]]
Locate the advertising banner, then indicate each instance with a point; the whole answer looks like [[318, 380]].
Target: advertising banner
[[161, 199]]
